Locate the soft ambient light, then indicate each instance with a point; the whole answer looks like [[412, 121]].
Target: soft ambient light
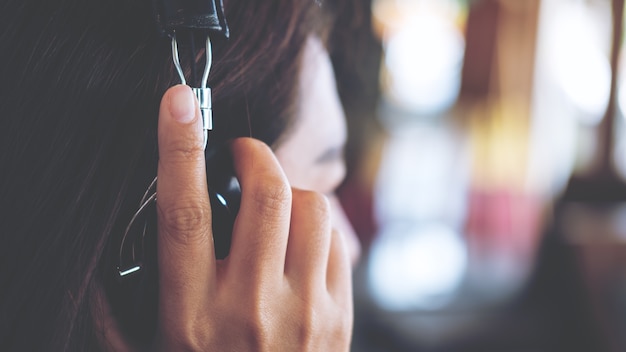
[[416, 267], [578, 61], [423, 61]]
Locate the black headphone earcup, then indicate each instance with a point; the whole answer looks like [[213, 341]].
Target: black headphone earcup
[[225, 197]]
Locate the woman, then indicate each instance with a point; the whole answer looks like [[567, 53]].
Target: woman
[[81, 84]]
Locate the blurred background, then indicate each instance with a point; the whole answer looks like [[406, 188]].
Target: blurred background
[[487, 166]]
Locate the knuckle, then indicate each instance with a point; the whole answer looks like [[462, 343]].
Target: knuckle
[[342, 331], [257, 328], [310, 322], [182, 150], [343, 323], [315, 203], [272, 195], [183, 337], [189, 344], [343, 327], [308, 328], [188, 222]]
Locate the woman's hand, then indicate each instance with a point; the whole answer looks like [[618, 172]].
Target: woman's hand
[[286, 285]]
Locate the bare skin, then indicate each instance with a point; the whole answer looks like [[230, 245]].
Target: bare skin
[[286, 284], [312, 152]]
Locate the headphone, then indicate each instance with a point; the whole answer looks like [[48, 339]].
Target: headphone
[[134, 294]]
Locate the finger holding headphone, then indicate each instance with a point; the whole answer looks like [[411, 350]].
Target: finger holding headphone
[[283, 286]]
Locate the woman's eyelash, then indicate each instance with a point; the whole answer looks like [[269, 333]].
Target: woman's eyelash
[[330, 155]]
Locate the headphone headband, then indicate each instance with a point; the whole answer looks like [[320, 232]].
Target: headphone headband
[[203, 15]]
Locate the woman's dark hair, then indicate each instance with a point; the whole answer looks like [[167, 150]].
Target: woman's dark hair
[[80, 85]]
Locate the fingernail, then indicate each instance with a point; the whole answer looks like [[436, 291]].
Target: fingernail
[[182, 104]]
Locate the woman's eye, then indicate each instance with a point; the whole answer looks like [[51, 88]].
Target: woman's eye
[[330, 155]]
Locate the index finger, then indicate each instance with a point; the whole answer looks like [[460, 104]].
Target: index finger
[[185, 245]]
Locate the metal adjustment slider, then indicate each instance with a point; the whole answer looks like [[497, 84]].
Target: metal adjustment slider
[[203, 94]]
